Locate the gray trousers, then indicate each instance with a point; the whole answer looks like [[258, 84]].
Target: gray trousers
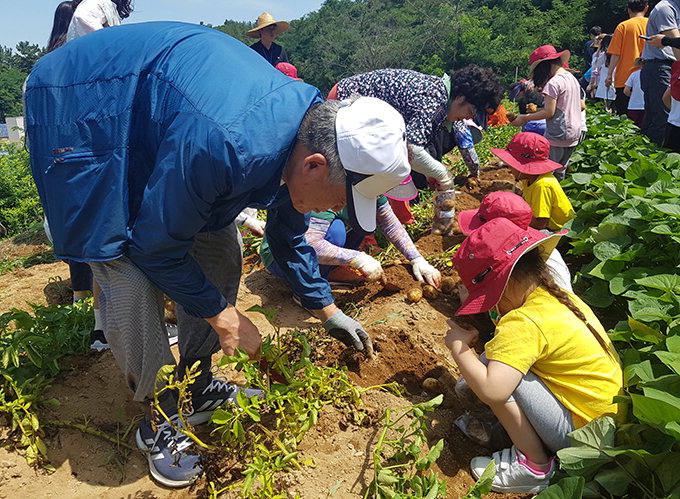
[[561, 155], [655, 77], [551, 420], [133, 313]]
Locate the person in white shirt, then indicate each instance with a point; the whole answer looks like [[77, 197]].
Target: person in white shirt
[[632, 88], [92, 15]]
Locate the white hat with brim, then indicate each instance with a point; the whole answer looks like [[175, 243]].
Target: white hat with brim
[[266, 19], [371, 141]]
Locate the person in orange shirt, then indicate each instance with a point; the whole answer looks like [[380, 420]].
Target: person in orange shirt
[[499, 117], [625, 47]]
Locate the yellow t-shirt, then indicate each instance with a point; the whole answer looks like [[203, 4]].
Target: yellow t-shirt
[[627, 44], [546, 337], [548, 200]]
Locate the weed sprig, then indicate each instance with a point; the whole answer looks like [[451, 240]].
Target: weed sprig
[[399, 461]]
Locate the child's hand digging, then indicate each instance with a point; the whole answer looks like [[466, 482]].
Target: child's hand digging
[[458, 338]]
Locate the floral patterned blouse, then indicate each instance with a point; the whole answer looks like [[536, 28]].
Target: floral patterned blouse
[[421, 99]]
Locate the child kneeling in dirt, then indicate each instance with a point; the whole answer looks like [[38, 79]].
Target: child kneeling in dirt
[[502, 204], [527, 156], [550, 367], [336, 246]]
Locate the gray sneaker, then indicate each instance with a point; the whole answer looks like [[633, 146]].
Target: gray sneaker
[[217, 393], [171, 461]]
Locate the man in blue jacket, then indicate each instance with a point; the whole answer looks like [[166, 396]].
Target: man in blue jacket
[[146, 141]]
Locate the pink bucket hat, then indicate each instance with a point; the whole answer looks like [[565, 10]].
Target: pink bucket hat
[[528, 152], [486, 259], [546, 53], [499, 204]]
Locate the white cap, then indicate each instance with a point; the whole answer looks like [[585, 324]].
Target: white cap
[[371, 140]]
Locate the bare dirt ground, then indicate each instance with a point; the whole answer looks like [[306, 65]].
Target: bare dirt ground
[[408, 339]]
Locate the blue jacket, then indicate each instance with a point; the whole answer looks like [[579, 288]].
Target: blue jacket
[[143, 135]]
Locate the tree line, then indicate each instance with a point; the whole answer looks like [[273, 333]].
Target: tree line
[[346, 37]]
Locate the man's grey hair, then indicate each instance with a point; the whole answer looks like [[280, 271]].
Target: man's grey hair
[[317, 133]]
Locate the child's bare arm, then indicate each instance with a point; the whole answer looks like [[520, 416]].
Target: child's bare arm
[[493, 383], [548, 111]]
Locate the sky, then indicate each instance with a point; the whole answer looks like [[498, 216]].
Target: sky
[[32, 19]]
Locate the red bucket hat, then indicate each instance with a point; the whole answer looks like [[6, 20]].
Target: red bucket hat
[[546, 53], [528, 152], [499, 204], [487, 258], [289, 70]]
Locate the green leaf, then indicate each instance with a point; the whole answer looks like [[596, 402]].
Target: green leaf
[[645, 333], [659, 409], [668, 209], [483, 485], [673, 343], [670, 359], [567, 488], [582, 178], [605, 250], [269, 313], [613, 480], [598, 295], [666, 282]]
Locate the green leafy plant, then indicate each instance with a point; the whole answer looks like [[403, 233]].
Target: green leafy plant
[[401, 457], [261, 435], [19, 202], [32, 347], [625, 238]]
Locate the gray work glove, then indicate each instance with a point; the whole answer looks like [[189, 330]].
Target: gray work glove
[[350, 332]]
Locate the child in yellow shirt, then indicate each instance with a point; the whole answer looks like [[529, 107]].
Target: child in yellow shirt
[[527, 156], [550, 367]]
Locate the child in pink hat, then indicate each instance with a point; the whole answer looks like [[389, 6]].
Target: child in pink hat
[[503, 204], [527, 155], [563, 104], [550, 367]]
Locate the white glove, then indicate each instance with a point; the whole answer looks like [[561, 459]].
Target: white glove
[[445, 183], [423, 271], [369, 267], [255, 225]]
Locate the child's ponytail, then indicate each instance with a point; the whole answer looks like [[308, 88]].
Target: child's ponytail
[[532, 266]]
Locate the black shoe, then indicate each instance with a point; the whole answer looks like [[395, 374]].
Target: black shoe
[[98, 341]]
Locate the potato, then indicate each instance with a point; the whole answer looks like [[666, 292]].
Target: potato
[[448, 205], [448, 285], [414, 295], [430, 292], [432, 385], [532, 108]]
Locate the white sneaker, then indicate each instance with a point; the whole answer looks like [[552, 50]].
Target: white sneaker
[[513, 475]]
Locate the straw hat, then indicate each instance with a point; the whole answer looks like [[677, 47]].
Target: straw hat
[[266, 19]]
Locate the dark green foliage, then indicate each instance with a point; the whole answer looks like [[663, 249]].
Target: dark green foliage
[[346, 37], [625, 192], [19, 203]]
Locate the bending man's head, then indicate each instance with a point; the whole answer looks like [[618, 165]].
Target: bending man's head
[[348, 151]]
